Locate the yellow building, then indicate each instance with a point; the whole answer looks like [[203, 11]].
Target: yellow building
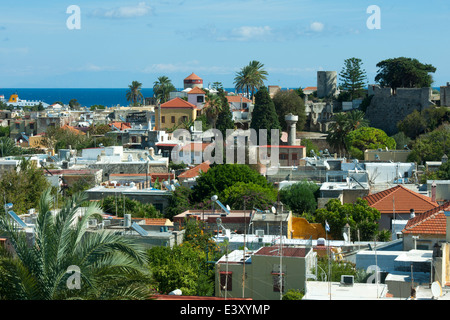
[[173, 113]]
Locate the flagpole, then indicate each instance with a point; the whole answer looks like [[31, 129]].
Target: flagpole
[[327, 228]]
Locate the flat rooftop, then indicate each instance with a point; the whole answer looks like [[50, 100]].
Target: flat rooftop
[[323, 290]]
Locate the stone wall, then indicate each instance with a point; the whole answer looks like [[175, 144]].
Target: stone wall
[[387, 108]]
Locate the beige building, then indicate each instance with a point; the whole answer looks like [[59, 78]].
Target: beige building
[[386, 155], [173, 113], [264, 278]]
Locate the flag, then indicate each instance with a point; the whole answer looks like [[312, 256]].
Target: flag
[[327, 227]]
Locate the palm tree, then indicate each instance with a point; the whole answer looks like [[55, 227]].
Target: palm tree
[[343, 124], [162, 89], [250, 77], [213, 106], [110, 266], [134, 94]]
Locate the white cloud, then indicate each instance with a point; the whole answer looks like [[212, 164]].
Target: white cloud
[[125, 12], [246, 33], [317, 26]]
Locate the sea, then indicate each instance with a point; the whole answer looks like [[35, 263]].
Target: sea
[[108, 97]]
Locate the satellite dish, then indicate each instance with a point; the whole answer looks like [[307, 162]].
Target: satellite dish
[[274, 210], [214, 198], [436, 289], [228, 208]]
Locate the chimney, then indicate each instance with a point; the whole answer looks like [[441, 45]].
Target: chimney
[[433, 191], [411, 213]]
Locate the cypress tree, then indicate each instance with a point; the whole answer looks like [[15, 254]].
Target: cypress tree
[[264, 115]]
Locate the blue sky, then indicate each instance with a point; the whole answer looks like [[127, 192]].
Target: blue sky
[[122, 41]]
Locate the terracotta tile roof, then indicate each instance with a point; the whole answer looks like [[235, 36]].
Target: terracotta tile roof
[[403, 198], [286, 251], [120, 125], [196, 90], [430, 222], [178, 103], [74, 130], [193, 76], [310, 88], [238, 99], [194, 172]]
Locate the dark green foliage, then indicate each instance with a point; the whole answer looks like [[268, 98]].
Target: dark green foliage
[[179, 201], [249, 195], [224, 116], [110, 266], [289, 102], [220, 177], [264, 115], [401, 140], [300, 197], [357, 141], [134, 94], [359, 215], [431, 146], [427, 120], [353, 78], [293, 294], [23, 187], [404, 73], [162, 89], [121, 205], [344, 123]]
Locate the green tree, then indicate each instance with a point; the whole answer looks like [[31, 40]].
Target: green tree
[[289, 102], [293, 294], [224, 117], [357, 141], [162, 89], [73, 103], [250, 78], [353, 78], [426, 120], [110, 266], [179, 267], [23, 187], [249, 195], [431, 146], [264, 115], [220, 177], [404, 72], [134, 94], [343, 123], [179, 201], [359, 216], [121, 205], [300, 197]]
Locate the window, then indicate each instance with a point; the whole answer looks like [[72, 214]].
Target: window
[[225, 281], [278, 282], [294, 156], [163, 119], [284, 156], [172, 119], [184, 118], [200, 99]]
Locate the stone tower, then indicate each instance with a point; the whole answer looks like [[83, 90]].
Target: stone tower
[[326, 83]]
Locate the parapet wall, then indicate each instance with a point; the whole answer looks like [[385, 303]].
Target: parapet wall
[[388, 108]]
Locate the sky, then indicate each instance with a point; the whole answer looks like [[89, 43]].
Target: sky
[[110, 43]]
